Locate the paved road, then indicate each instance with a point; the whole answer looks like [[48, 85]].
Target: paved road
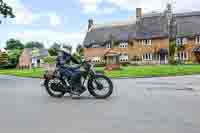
[[154, 105]]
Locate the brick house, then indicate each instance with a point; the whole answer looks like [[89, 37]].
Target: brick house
[[28, 60], [146, 40]]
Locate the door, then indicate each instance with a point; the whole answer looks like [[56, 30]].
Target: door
[[162, 58]]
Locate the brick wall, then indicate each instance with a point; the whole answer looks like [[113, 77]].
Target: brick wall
[[138, 49], [25, 59]]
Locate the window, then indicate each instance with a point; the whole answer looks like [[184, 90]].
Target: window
[[123, 57], [147, 56], [197, 40], [184, 40], [108, 45], [182, 55], [181, 41], [95, 46], [123, 45], [146, 42]]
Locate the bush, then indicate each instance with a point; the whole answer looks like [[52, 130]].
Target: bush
[[172, 61], [50, 59], [3, 59], [125, 64]]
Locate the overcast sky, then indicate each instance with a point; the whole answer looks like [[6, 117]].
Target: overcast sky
[[66, 20]]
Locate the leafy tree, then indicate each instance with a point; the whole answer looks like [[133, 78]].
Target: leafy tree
[[53, 50], [13, 57], [35, 52], [80, 50], [6, 10], [14, 44], [34, 44]]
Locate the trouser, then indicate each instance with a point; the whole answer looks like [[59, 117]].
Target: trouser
[[73, 74]]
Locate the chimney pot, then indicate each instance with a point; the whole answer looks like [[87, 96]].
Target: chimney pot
[[90, 23], [138, 13]]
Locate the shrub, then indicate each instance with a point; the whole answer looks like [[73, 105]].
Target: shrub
[[50, 59]]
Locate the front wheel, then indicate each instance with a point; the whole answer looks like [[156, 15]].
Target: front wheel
[[100, 86]]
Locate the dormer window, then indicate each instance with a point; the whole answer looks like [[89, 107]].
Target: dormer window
[[108, 45], [123, 45], [181, 41], [95, 46], [197, 40], [146, 42]]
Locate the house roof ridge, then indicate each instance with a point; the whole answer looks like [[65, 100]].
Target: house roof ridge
[[112, 24]]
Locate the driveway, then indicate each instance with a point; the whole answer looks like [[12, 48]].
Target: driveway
[[151, 105]]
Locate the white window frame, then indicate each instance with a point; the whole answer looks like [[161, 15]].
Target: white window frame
[[146, 42], [124, 55], [181, 41], [148, 57], [95, 46], [123, 45], [197, 39], [183, 55], [184, 40], [108, 45]]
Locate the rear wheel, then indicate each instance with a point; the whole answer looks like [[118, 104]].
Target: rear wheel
[[53, 88], [100, 87]]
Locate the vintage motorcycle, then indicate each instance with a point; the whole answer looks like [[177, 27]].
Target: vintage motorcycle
[[98, 85]]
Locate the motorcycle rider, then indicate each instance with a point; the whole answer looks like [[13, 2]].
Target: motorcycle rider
[[64, 60]]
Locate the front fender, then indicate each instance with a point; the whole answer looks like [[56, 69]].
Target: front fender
[[90, 80]]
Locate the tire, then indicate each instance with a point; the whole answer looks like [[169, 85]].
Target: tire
[[92, 89], [51, 92]]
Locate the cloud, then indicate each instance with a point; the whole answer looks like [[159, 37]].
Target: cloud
[[54, 19], [92, 7], [95, 6], [49, 36], [25, 16]]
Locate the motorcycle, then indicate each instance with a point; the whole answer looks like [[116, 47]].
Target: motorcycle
[[98, 85]]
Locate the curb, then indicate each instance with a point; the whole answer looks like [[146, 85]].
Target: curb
[[139, 77]]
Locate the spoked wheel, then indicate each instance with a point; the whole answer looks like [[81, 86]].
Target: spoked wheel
[[100, 87], [54, 88]]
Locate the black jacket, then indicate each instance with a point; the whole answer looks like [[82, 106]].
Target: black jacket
[[65, 59]]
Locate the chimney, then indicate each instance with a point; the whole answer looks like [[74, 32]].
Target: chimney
[[169, 7], [90, 23], [138, 13]]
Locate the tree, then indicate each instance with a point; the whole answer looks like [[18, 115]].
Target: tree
[[35, 52], [34, 44], [80, 49], [53, 50], [13, 57], [14, 44], [6, 10]]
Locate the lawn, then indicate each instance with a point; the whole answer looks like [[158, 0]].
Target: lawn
[[34, 73], [129, 71], [154, 71]]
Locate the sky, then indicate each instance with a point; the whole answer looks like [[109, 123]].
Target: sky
[[66, 21]]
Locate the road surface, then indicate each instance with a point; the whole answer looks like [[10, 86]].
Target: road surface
[[151, 105]]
